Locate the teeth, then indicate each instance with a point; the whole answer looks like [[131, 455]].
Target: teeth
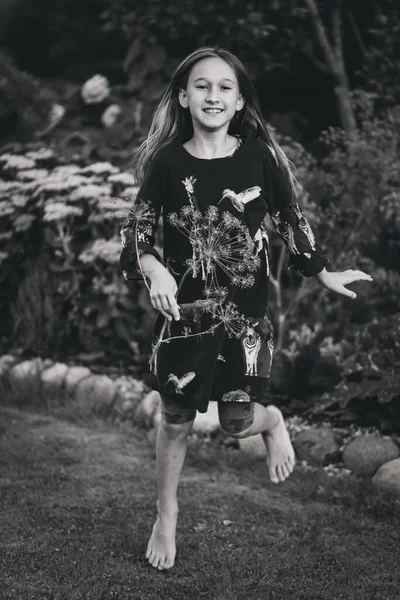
[[213, 110]]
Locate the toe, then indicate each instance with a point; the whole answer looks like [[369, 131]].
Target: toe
[[168, 563], [289, 465], [273, 475], [161, 563], [280, 473], [285, 471], [155, 561]]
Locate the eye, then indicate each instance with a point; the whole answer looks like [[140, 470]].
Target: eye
[[200, 87], [225, 87]]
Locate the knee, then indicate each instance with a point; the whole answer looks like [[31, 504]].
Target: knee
[[238, 431], [235, 427], [175, 430], [236, 419]]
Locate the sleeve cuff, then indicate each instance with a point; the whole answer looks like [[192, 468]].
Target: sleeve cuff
[[309, 267], [129, 260]]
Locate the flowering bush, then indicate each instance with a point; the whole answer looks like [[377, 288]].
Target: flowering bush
[[66, 219], [95, 90]]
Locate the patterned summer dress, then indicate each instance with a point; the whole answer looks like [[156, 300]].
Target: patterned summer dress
[[216, 246]]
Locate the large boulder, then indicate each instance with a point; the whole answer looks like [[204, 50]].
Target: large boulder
[[24, 380], [366, 453], [52, 381], [7, 361], [388, 476], [95, 395], [74, 376], [317, 446]]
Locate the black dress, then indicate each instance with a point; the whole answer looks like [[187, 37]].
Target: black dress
[[216, 246]]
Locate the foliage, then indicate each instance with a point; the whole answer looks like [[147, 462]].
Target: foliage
[[25, 103], [369, 389], [354, 212], [60, 229]]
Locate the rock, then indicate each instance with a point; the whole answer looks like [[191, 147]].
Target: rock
[[388, 476], [74, 376], [24, 380], [126, 404], [316, 446], [148, 411], [52, 381], [366, 453], [7, 361], [95, 395]]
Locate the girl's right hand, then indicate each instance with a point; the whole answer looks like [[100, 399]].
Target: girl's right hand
[[162, 293]]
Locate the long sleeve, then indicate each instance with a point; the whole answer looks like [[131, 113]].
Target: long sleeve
[[138, 230], [305, 255]]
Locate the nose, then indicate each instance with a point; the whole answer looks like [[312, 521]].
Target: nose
[[212, 95]]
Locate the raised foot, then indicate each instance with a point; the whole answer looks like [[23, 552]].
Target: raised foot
[[161, 549], [280, 453]]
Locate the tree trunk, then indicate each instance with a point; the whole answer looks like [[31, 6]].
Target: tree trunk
[[333, 54]]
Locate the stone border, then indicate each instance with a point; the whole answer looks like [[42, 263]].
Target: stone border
[[43, 382]]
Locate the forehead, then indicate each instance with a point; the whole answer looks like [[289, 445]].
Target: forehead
[[212, 68]]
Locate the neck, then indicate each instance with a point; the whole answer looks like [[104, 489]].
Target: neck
[[211, 144]]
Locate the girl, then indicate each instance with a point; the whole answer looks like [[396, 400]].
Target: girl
[[213, 168]]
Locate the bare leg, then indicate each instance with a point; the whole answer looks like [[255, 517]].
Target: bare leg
[[280, 454], [171, 447]]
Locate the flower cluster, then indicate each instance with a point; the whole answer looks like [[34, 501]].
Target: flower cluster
[[95, 90], [106, 250], [56, 211], [110, 116]]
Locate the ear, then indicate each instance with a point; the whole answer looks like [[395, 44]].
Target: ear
[[183, 101], [240, 103]]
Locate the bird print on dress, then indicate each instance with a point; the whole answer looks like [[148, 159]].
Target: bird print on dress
[[239, 200], [180, 383]]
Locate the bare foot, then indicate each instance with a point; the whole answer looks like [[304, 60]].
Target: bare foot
[[280, 454], [161, 548]]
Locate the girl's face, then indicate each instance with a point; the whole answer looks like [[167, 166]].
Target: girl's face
[[212, 94]]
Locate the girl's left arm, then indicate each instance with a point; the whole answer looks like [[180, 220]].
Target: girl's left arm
[[305, 254]]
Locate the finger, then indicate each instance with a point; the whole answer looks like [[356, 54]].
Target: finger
[[348, 293], [165, 303], [173, 307], [158, 306], [356, 274]]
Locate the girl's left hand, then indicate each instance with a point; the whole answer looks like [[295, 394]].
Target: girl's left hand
[[335, 281]]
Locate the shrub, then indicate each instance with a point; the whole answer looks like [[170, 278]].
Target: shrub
[[71, 296], [25, 104]]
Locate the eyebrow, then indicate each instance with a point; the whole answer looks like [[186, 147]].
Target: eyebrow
[[224, 79]]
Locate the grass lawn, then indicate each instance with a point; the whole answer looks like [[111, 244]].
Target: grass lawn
[[77, 504]]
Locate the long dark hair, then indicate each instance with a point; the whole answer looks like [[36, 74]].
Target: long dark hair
[[172, 122]]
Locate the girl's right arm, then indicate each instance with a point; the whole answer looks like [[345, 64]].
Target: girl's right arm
[[139, 257], [163, 287]]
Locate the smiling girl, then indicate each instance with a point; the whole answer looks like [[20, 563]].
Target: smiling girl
[[213, 168]]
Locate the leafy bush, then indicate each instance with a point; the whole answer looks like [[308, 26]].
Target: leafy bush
[[369, 389], [25, 103], [60, 231]]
